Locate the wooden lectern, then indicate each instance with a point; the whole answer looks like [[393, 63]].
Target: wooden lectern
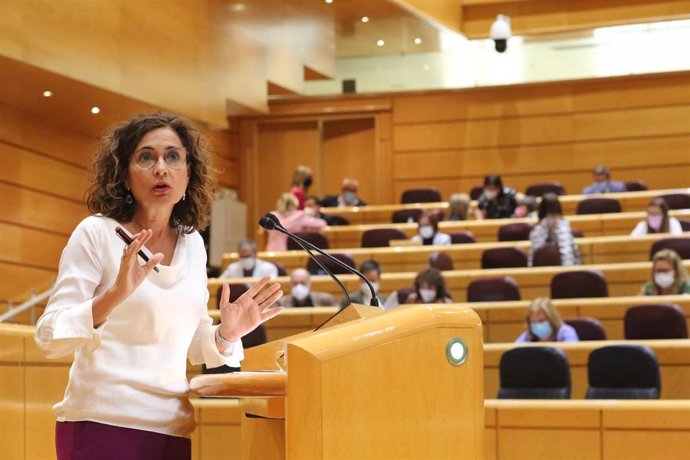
[[368, 384]]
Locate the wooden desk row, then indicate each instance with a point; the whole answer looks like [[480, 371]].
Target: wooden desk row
[[374, 214], [623, 279], [593, 250], [502, 322], [350, 236], [517, 430]]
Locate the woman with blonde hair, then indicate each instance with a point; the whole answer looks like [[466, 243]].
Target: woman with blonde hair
[[292, 219], [459, 206], [544, 324], [301, 181], [668, 275]]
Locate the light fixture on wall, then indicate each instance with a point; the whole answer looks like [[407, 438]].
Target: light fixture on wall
[[365, 19], [380, 43], [47, 93], [95, 110], [417, 41]]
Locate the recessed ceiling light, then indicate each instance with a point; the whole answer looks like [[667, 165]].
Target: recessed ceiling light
[[380, 43], [239, 7], [95, 110], [329, 1], [417, 41], [47, 93], [365, 18]]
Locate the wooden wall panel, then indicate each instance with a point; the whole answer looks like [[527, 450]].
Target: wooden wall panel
[[349, 150], [281, 148]]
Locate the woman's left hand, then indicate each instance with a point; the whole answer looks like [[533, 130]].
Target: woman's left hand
[[249, 310]]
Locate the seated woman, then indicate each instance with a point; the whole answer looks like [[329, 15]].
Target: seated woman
[[553, 228], [668, 275], [428, 231], [429, 287], [527, 207], [458, 206], [292, 219], [658, 220], [544, 324], [496, 201]]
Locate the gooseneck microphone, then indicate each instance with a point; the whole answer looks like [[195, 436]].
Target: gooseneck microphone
[[271, 222]]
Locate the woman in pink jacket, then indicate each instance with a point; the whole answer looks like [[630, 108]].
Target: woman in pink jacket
[[293, 220]]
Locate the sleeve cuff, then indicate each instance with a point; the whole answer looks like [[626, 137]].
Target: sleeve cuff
[[76, 323], [230, 357]]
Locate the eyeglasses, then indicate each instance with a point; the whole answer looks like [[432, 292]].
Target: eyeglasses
[[173, 158]]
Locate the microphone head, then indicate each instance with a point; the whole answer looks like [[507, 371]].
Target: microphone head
[[267, 223]]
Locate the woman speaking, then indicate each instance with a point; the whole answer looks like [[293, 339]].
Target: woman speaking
[[133, 314]]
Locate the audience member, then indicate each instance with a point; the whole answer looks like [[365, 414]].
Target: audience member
[[603, 183], [527, 206], [301, 294], [496, 201], [372, 271], [428, 231], [312, 208], [544, 324], [553, 228], [668, 275], [249, 265], [459, 206], [658, 220], [429, 287], [348, 195], [301, 181], [293, 220]]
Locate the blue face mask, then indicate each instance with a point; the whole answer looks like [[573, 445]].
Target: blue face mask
[[542, 329], [350, 197]]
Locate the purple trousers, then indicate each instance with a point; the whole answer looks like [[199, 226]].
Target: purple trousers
[[97, 441]]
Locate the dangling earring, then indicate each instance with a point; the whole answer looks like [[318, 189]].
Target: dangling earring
[[128, 198], [184, 196]]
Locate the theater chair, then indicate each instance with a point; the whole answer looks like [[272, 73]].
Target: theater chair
[[579, 283], [677, 200], [381, 237], [514, 232], [548, 255], [441, 261], [493, 290], [405, 215], [623, 372], [655, 321], [545, 187], [476, 192], [314, 269], [598, 206], [317, 239], [587, 328], [462, 237], [420, 195], [636, 186], [680, 245], [236, 290], [504, 258], [534, 373]]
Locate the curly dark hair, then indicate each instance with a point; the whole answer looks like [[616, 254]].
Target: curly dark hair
[[107, 193]]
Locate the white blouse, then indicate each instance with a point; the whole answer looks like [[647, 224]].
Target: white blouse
[[131, 370], [674, 227]]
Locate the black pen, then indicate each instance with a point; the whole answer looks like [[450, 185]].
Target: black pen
[[125, 237]]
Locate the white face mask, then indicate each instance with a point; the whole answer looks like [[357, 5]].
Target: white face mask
[[427, 295], [426, 231], [247, 263], [664, 279], [300, 291], [490, 194], [364, 288]]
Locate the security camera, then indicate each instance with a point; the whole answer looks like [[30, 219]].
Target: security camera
[[500, 32]]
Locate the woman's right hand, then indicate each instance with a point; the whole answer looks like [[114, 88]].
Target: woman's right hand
[[130, 276], [131, 273]]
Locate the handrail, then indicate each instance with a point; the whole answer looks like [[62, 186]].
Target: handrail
[[33, 301]]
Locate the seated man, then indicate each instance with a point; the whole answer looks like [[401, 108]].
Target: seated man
[[301, 295], [249, 266], [372, 271], [348, 196], [603, 183]]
